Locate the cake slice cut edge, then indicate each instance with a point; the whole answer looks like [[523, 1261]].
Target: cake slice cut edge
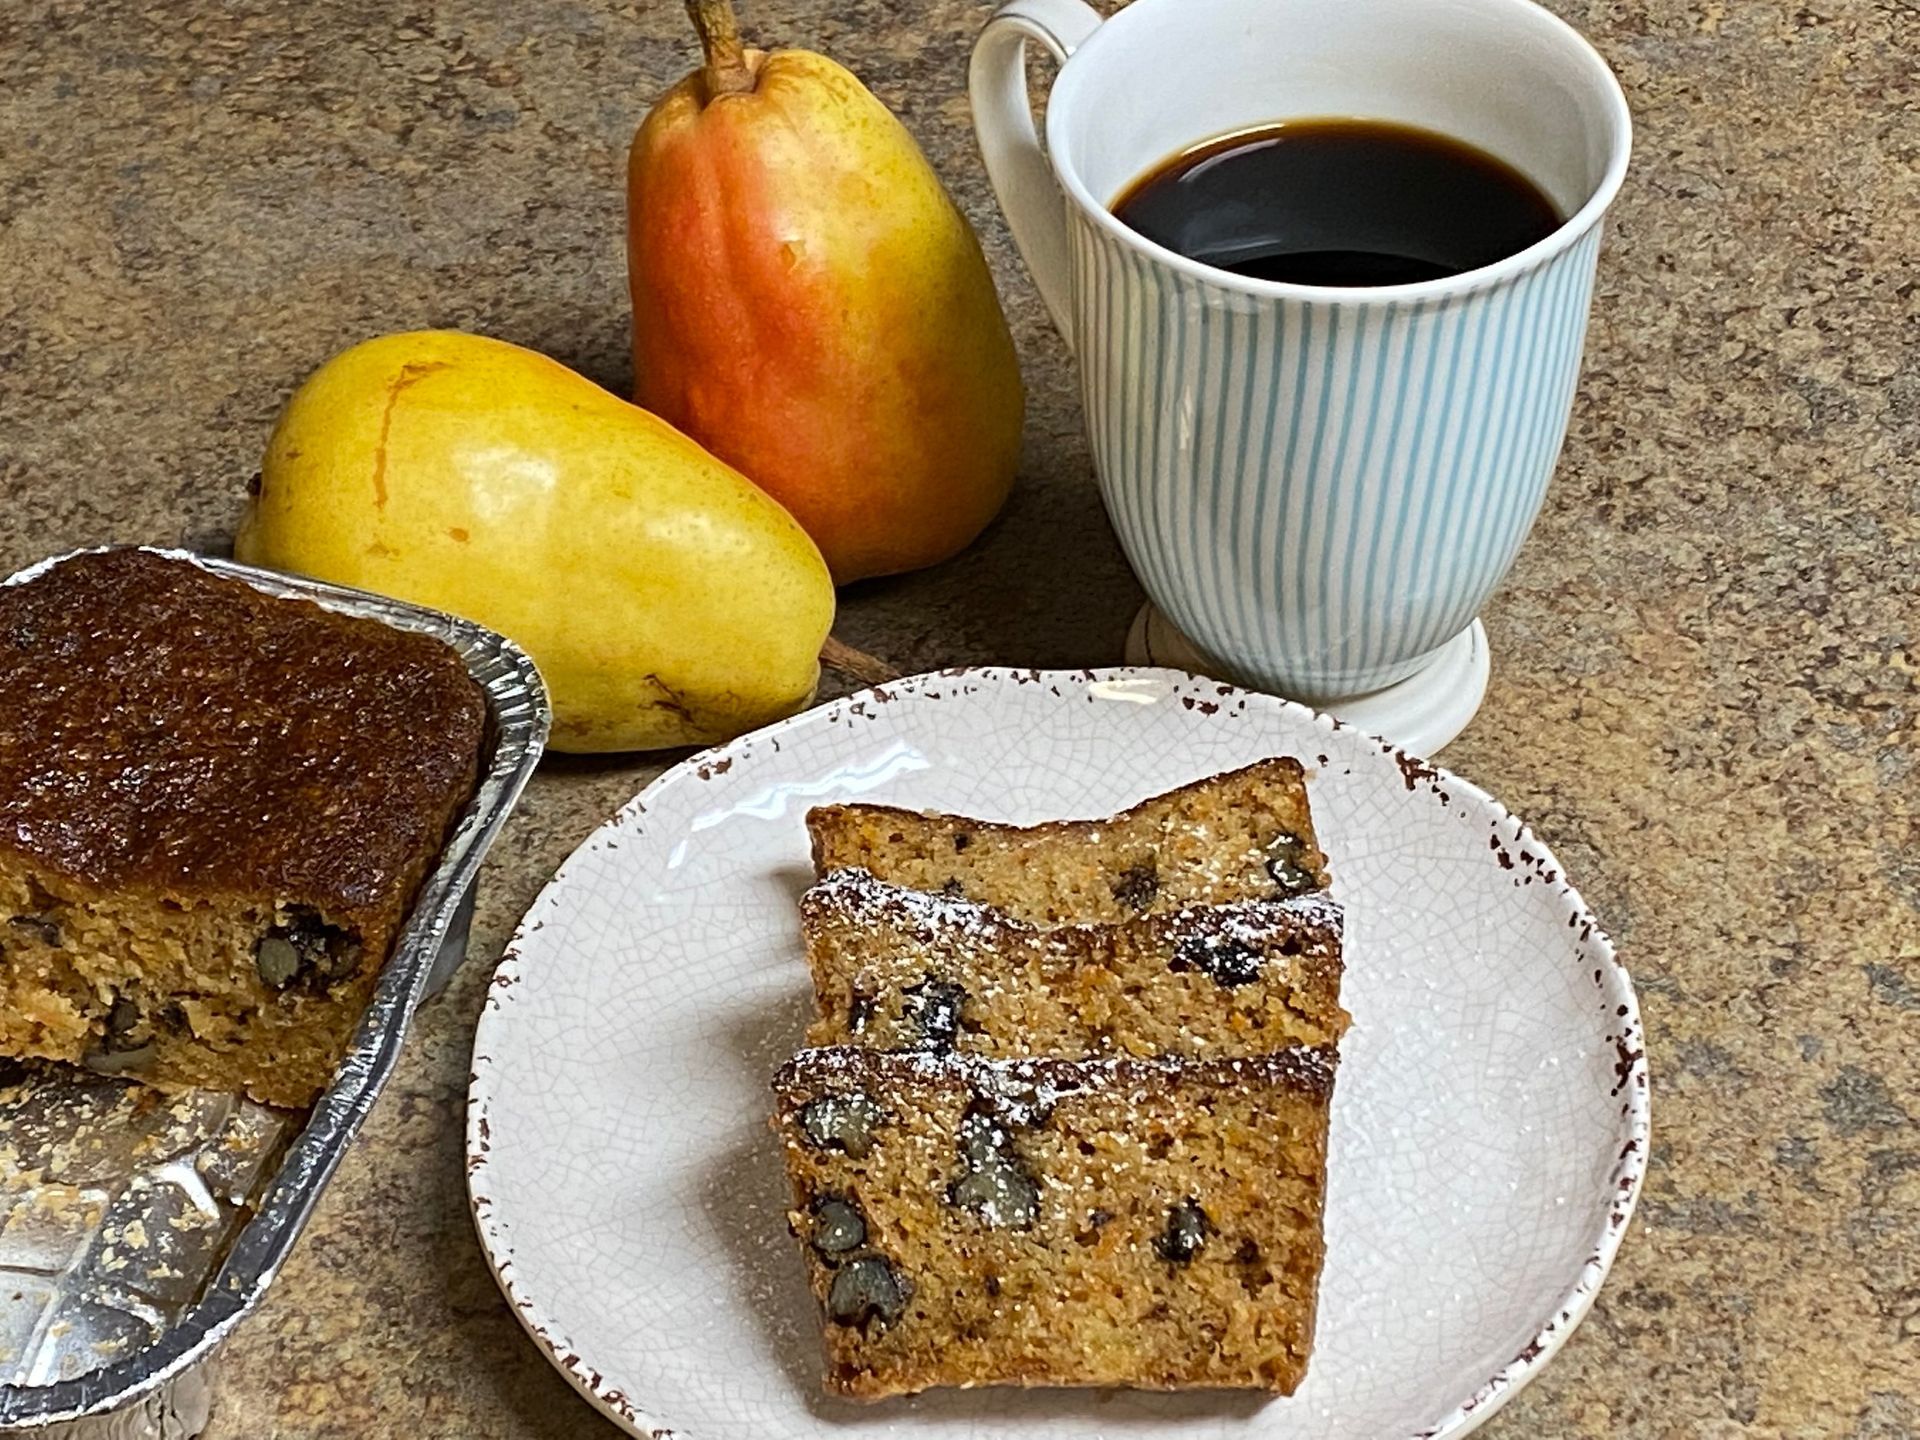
[[901, 969], [1244, 834], [1150, 1223]]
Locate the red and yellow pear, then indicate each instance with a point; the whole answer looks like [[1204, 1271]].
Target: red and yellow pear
[[811, 306]]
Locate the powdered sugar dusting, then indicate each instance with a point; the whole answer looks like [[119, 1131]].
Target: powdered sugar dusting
[[861, 898], [1318, 908], [1025, 1090], [859, 893], [1259, 921]]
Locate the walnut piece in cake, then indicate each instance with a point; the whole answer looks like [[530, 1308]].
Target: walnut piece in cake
[[1152, 1223]]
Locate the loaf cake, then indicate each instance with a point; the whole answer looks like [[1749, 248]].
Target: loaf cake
[[1151, 1223], [898, 969], [215, 808], [1243, 835]]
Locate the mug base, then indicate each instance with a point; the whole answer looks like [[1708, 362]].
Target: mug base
[[1419, 714]]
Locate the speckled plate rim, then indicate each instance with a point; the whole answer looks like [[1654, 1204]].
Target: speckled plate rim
[[1486, 1396]]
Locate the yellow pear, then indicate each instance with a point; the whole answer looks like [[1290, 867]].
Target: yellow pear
[[666, 600]]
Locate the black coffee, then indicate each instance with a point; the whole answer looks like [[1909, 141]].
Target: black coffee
[[1338, 202]]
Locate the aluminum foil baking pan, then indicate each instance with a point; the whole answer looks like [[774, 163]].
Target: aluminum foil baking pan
[[136, 1228]]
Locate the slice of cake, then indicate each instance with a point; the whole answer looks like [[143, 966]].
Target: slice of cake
[[898, 969], [1151, 1223], [215, 808], [1243, 835]]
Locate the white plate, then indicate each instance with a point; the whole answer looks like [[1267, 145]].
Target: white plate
[[1489, 1124]]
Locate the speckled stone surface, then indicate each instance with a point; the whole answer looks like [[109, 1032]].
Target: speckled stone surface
[[1706, 664]]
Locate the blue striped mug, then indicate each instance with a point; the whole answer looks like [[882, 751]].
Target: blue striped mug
[[1319, 486]]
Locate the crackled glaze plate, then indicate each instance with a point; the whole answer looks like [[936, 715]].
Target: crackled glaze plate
[[1489, 1123]]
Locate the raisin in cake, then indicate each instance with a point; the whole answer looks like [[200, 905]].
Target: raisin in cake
[[1243, 835], [1152, 1223], [898, 969], [215, 808]]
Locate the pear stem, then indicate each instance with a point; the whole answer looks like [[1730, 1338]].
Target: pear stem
[[727, 71], [836, 654]]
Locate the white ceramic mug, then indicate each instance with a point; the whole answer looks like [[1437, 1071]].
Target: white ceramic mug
[[1320, 486]]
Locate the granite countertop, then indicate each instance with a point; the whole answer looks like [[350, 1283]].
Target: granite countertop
[[1706, 664]]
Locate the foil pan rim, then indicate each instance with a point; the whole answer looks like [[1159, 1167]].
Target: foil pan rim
[[520, 719]]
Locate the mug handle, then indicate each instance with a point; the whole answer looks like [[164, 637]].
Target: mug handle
[[1003, 123]]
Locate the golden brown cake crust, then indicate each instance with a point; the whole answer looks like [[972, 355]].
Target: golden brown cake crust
[[173, 731]]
